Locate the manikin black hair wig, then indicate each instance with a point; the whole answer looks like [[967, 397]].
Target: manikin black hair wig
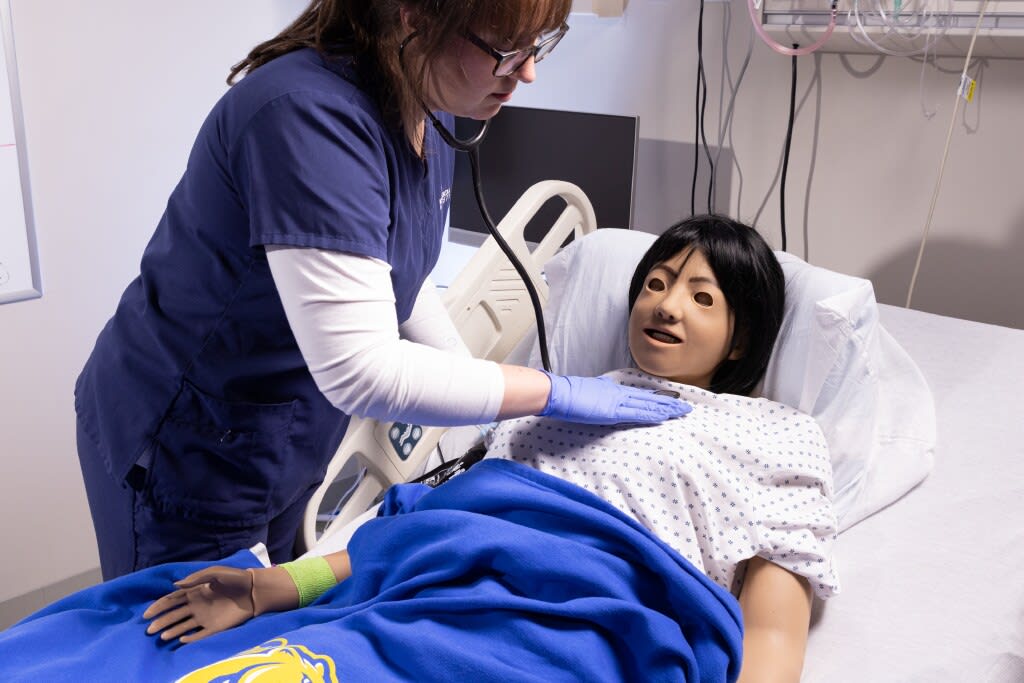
[[749, 276]]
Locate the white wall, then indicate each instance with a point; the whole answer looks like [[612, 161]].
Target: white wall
[[113, 95], [113, 92]]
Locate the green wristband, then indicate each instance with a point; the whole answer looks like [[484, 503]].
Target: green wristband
[[313, 577]]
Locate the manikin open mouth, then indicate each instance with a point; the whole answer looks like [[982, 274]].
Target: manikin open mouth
[[663, 337]]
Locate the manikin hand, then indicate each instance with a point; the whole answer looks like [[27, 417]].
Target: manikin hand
[[206, 602], [218, 598]]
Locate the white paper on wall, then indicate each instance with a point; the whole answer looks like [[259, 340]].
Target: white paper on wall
[[19, 270]]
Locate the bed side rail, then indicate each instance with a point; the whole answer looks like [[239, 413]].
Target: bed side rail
[[491, 308]]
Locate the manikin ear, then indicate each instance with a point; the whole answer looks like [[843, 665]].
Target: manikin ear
[[738, 351], [739, 345]]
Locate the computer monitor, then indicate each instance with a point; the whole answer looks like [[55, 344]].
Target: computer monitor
[[524, 145]]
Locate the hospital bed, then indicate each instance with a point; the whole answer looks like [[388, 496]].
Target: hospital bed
[[930, 557]]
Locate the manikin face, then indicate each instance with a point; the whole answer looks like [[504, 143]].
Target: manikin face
[[462, 80], [681, 327]]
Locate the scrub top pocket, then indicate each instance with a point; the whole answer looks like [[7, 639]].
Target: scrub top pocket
[[220, 462]]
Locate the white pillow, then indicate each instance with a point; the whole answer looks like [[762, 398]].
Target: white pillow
[[833, 360]]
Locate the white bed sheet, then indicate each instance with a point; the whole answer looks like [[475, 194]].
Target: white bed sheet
[[932, 585]]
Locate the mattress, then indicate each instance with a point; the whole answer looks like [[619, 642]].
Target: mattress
[[932, 585]]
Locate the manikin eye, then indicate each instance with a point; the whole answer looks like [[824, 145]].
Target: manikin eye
[[703, 299], [656, 284]]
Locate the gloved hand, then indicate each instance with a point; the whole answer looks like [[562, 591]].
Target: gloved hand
[[208, 601], [602, 401]]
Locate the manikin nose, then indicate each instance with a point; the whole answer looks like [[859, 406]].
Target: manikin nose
[[672, 305], [666, 311]]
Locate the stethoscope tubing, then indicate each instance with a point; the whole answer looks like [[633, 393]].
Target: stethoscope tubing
[[471, 146], [531, 290]]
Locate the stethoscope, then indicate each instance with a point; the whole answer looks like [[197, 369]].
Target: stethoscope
[[471, 146]]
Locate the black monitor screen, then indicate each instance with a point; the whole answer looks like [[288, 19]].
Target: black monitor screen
[[597, 152]]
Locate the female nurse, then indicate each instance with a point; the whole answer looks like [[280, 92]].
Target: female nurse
[[286, 287]]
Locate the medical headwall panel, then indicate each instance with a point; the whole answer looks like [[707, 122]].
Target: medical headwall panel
[[898, 27], [19, 265]]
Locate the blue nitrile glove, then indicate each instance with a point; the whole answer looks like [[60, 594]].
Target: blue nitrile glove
[[602, 401]]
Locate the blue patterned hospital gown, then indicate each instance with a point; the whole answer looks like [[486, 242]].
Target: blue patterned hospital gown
[[737, 477]]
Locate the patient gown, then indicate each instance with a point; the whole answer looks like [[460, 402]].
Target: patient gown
[[502, 574], [737, 477]]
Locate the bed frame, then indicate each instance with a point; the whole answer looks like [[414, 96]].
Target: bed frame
[[491, 308], [931, 584]]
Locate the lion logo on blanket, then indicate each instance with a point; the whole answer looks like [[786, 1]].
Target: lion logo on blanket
[[272, 661]]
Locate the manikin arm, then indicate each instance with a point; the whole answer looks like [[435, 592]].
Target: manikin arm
[[776, 607], [218, 598]]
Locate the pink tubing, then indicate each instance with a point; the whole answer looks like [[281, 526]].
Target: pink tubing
[[790, 51]]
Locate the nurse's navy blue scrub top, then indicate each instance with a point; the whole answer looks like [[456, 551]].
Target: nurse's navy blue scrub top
[[198, 368]]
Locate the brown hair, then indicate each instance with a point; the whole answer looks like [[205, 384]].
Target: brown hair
[[370, 31]]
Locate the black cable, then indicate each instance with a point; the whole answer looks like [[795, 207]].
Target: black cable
[[704, 139], [703, 84], [698, 116], [785, 155], [474, 164]]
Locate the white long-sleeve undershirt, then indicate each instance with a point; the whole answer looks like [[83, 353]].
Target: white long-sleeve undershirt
[[341, 309]]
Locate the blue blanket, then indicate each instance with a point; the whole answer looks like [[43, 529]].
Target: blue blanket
[[501, 574]]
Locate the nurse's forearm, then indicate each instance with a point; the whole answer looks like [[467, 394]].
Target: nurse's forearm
[[341, 309], [430, 324], [526, 392]]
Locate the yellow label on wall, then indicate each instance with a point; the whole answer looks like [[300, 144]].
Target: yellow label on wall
[[967, 86]]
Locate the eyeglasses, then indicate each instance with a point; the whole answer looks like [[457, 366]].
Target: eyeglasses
[[507, 62]]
